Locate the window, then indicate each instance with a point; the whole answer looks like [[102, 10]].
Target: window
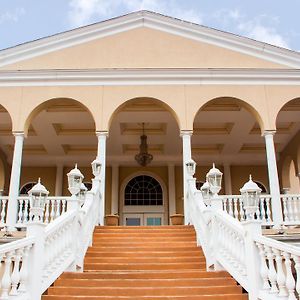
[[26, 188], [143, 190]]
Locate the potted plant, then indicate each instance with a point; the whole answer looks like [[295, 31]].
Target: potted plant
[[177, 219], [112, 220]]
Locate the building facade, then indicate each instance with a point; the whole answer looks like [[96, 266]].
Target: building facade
[[200, 93]]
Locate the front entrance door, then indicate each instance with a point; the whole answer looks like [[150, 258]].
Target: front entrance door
[[144, 219], [143, 202]]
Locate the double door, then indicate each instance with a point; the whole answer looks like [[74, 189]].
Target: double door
[[143, 219]]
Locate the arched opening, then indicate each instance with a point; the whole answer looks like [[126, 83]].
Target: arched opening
[[61, 132], [6, 149], [164, 144], [26, 188], [287, 141], [227, 131]]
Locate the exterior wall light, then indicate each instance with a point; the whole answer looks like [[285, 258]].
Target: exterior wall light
[[214, 179], [96, 167], [75, 178], [191, 167], [250, 192], [38, 197]]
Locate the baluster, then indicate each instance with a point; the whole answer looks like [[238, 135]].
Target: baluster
[[290, 208], [263, 267], [269, 219], [47, 214], [24, 270], [230, 207], [6, 279], [236, 212], [290, 281], [3, 210], [272, 272], [20, 214], [63, 205], [258, 210], [25, 216], [15, 276], [52, 213], [263, 209], [285, 209], [243, 211], [296, 212], [297, 267], [242, 257], [280, 273], [57, 208]]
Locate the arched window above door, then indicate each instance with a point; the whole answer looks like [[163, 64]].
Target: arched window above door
[[143, 190]]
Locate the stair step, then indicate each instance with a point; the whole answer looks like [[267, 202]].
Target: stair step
[[137, 250], [79, 282], [193, 297], [156, 254], [136, 291]]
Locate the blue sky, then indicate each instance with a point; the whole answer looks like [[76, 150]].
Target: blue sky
[[273, 21]]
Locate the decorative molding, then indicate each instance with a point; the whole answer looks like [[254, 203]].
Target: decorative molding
[[110, 77], [154, 21], [213, 128]]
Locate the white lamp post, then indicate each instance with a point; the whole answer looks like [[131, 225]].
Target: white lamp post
[[191, 167], [250, 192], [214, 178], [205, 190], [75, 178], [96, 167], [38, 196]]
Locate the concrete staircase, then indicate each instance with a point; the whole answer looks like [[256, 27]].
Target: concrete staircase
[[153, 263]]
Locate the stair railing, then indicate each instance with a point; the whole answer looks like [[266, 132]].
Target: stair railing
[[33, 263], [265, 268]]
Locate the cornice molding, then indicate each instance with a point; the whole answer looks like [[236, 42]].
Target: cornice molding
[[155, 21], [110, 77]]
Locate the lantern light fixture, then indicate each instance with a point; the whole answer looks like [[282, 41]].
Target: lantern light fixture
[[205, 190], [191, 167], [75, 178], [96, 167], [38, 197], [250, 194], [82, 193], [214, 179]]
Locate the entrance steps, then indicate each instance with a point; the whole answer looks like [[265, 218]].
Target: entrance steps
[[150, 263]]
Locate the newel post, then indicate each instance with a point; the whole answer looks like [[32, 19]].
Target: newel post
[[250, 193], [36, 228]]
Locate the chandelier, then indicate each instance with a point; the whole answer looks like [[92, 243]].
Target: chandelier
[[143, 158]]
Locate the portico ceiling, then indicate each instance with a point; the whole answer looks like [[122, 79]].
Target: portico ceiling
[[224, 132]]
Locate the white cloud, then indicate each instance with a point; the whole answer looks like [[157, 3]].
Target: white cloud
[[265, 33], [82, 11], [12, 16]]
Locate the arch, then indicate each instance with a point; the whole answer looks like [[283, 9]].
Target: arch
[[45, 104], [283, 105], [285, 174], [243, 103], [262, 186], [294, 180], [132, 100], [143, 190], [27, 187]]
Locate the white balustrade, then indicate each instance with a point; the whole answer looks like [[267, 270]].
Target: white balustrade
[[3, 209], [14, 266], [291, 208], [279, 269]]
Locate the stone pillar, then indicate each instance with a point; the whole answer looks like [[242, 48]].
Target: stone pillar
[[273, 179], [12, 210], [101, 154], [59, 180], [227, 179], [172, 194], [115, 190], [186, 155]]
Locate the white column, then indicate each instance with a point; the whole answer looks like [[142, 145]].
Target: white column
[[273, 179], [172, 194], [115, 190], [59, 180], [14, 185], [186, 155], [227, 178], [101, 154]]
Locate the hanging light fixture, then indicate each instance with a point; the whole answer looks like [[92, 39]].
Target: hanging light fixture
[[143, 157]]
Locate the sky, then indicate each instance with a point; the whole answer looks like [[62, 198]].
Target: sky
[[276, 22]]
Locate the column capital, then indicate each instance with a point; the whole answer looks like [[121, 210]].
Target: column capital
[[269, 133], [186, 133], [18, 133], [102, 133]]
